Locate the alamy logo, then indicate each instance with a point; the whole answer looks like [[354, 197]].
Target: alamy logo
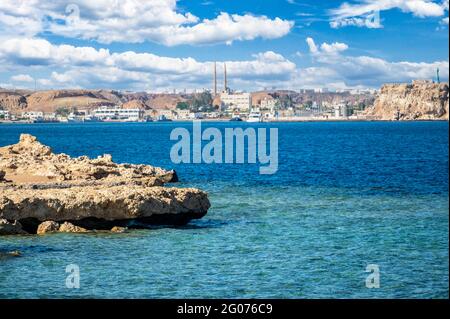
[[73, 279], [373, 279], [228, 149]]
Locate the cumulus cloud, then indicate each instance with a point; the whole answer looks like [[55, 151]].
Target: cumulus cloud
[[333, 48], [88, 66], [134, 21], [366, 12], [369, 71], [67, 66], [22, 78], [325, 48]]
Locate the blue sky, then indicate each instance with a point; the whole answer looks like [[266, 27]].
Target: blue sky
[[160, 45]]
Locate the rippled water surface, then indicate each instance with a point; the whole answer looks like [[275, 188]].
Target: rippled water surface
[[346, 195]]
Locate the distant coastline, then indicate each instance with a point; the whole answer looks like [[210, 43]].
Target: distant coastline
[[309, 120], [419, 100]]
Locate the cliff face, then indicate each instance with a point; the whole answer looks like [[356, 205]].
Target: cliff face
[[12, 101], [421, 100]]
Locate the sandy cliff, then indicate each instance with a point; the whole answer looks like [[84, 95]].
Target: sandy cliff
[[421, 100]]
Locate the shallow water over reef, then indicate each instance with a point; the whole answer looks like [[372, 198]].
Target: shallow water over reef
[[346, 195]]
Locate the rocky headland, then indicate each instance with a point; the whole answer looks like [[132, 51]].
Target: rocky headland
[[420, 100], [42, 192]]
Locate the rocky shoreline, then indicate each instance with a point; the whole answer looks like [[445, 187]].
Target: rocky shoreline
[[42, 192]]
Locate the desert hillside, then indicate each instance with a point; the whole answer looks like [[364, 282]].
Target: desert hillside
[[18, 101]]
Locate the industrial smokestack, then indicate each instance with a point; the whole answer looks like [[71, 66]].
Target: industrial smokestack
[[225, 84], [215, 79]]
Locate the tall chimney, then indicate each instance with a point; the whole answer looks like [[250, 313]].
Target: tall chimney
[[215, 79], [225, 84]]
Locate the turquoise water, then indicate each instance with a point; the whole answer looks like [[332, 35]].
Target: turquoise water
[[346, 195]]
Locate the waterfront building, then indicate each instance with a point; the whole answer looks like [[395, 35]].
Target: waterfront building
[[182, 114], [340, 110], [168, 114], [268, 103], [117, 113], [240, 101], [33, 115]]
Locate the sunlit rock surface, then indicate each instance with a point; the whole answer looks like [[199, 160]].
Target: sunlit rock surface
[[41, 189]]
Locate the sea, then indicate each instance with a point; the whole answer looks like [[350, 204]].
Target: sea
[[355, 210]]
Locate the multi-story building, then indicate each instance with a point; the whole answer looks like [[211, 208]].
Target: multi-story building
[[33, 115], [117, 113], [239, 101], [340, 110], [268, 103]]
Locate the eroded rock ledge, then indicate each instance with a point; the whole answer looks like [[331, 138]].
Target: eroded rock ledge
[[44, 192]]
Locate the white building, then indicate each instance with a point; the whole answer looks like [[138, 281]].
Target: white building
[[4, 114], [182, 114], [168, 114], [117, 113], [240, 101], [268, 103], [33, 115], [340, 110]]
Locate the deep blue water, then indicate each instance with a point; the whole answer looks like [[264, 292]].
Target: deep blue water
[[346, 195]]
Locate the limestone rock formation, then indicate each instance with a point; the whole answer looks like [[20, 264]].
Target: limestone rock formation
[[67, 227], [29, 161], [47, 192], [47, 227], [117, 229], [54, 227], [11, 228], [421, 100]]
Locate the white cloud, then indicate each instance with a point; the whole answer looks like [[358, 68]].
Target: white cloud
[[22, 78], [66, 66], [366, 12], [133, 21], [325, 48], [312, 46], [33, 51], [87, 66], [365, 70], [333, 48]]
